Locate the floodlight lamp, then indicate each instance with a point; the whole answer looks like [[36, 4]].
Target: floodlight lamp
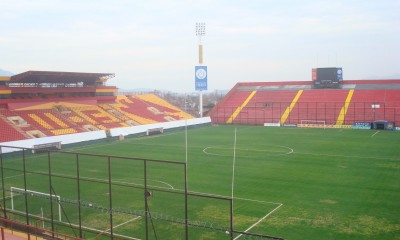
[[200, 29]]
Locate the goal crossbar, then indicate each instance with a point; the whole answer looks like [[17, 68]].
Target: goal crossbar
[[40, 194]]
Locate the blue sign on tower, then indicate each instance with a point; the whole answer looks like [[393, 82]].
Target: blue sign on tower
[[200, 78]]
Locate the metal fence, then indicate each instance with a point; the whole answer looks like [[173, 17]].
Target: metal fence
[[83, 196]]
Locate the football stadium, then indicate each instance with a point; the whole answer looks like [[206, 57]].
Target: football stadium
[[312, 159]]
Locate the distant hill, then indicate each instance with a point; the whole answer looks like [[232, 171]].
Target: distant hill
[[5, 73]]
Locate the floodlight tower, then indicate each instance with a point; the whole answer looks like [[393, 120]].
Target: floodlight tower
[[201, 71]]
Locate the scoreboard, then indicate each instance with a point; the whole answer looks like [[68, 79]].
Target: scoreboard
[[327, 77]]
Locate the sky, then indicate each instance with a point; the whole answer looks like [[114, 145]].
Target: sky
[[152, 44]]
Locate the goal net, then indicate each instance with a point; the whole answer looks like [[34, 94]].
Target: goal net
[[312, 124], [38, 203]]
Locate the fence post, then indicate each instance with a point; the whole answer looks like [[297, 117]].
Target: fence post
[[2, 184], [186, 203], [79, 195], [25, 193], [145, 199], [110, 197], [51, 194]]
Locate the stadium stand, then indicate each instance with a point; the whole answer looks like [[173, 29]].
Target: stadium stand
[[40, 103], [292, 102], [322, 104], [9, 133]]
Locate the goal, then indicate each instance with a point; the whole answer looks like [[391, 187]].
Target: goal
[[154, 131], [46, 146], [312, 124], [39, 202]]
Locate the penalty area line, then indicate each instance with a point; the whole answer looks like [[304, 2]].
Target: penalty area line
[[261, 219], [375, 133], [119, 225]]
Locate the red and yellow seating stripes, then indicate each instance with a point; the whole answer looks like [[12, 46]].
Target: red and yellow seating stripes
[[159, 101], [123, 97], [124, 125], [39, 120], [73, 105], [51, 105], [105, 106], [5, 91], [120, 107], [79, 111], [290, 107], [63, 131], [239, 109], [75, 119], [56, 120], [106, 90], [343, 111], [100, 113], [101, 127], [104, 114]]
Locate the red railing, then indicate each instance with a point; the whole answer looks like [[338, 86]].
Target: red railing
[[32, 232]]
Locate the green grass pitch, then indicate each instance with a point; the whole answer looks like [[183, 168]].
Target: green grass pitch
[[293, 183]]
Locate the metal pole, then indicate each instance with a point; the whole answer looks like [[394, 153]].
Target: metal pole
[[200, 31], [316, 112], [2, 184], [233, 179], [51, 194], [186, 204], [26, 195], [298, 113], [384, 111], [145, 199], [334, 109], [364, 111], [79, 196], [231, 218], [201, 103], [110, 197]]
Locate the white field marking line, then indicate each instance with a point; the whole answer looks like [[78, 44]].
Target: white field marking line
[[119, 225], [106, 180], [120, 180], [172, 187], [15, 176], [351, 156], [255, 224], [259, 201], [222, 196], [247, 149], [375, 133]]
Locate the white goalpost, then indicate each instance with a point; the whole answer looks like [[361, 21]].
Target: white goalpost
[[15, 192], [312, 124]]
